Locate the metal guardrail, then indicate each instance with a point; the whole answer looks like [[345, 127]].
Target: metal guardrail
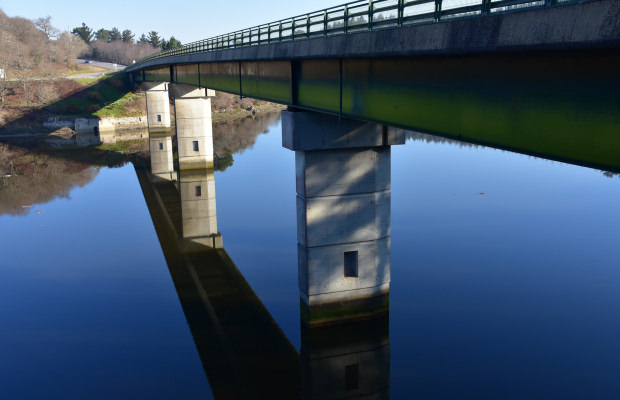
[[356, 16]]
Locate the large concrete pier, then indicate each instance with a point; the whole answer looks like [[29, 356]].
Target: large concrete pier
[[343, 214], [192, 116]]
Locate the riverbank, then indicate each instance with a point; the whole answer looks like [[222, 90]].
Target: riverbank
[[98, 105]]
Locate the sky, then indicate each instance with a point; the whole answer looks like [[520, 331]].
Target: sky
[[188, 21]]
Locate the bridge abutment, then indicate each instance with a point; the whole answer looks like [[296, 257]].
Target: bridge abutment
[[343, 214], [192, 113]]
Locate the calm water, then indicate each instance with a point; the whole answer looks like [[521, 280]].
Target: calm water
[[505, 276]]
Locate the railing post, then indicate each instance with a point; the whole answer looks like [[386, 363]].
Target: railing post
[[437, 10], [293, 29], [401, 12], [280, 32], [325, 23], [549, 3], [370, 15], [259, 35], [346, 19], [486, 7], [308, 25]]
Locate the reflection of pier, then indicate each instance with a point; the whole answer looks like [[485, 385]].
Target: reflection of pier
[[346, 361], [243, 351]]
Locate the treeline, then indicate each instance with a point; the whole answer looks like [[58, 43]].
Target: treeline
[[35, 48], [118, 46]]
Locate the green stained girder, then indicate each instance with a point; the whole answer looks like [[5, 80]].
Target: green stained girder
[[559, 105]]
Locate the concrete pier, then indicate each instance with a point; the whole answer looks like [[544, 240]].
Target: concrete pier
[[157, 107], [192, 112], [343, 214]]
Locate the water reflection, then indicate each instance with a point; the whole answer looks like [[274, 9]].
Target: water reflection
[[244, 352], [346, 360], [508, 293], [28, 178]]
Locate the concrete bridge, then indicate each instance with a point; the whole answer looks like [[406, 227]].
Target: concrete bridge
[[537, 77], [533, 77]]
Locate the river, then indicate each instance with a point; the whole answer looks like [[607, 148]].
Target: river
[[505, 271]]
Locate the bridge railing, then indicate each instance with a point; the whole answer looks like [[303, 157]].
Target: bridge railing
[[356, 16]]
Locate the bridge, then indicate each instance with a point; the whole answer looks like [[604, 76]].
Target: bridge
[[508, 74], [536, 77]]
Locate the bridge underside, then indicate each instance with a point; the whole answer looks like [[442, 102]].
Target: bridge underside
[[559, 105]]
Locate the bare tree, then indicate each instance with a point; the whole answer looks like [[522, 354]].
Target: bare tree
[[3, 89], [120, 52], [45, 25]]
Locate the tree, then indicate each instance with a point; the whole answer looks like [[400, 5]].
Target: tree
[[45, 25], [102, 35], [153, 39], [4, 88], [84, 32], [68, 47], [143, 39], [173, 43], [115, 34], [127, 36]]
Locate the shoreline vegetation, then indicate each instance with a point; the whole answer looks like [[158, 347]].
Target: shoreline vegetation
[[59, 108], [107, 96], [50, 97]]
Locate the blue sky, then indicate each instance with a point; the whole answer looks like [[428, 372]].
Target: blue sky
[[188, 21]]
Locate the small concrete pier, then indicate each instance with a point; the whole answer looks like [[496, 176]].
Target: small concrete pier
[[157, 107]]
